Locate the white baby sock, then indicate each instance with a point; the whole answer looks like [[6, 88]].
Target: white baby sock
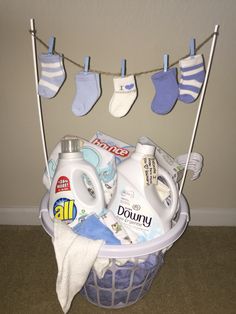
[[125, 93]]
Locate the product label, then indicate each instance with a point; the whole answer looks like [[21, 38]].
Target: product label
[[63, 184], [149, 166], [65, 209], [118, 151], [131, 212], [131, 217]]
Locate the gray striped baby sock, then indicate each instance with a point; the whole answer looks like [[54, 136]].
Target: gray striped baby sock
[[192, 76], [52, 75]]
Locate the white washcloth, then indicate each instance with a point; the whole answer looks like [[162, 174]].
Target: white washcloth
[[75, 257]]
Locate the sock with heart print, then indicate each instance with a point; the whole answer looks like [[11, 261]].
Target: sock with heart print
[[125, 94]]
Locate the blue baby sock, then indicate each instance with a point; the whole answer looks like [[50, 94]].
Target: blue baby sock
[[166, 87], [94, 229], [87, 92], [52, 75], [192, 77]]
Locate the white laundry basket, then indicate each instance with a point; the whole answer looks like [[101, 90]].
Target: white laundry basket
[[124, 283]]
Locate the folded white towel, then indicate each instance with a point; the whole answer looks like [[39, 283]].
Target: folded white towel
[[75, 257]]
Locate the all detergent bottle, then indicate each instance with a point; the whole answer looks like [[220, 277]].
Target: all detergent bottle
[[136, 203], [70, 200]]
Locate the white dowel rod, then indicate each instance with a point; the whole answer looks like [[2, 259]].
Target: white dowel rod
[[36, 76], [213, 44]]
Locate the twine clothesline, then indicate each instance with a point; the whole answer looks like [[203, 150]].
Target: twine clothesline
[[33, 33]]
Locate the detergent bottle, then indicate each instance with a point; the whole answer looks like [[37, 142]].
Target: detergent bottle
[[136, 203], [70, 200]]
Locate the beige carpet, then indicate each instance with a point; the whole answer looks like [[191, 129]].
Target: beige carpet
[[198, 276]]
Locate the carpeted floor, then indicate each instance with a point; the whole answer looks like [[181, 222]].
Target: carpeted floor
[[198, 276]]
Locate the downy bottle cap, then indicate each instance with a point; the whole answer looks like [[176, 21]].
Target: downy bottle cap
[[145, 149]]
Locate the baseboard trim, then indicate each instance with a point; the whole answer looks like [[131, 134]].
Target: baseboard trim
[[199, 216], [213, 217], [19, 216]]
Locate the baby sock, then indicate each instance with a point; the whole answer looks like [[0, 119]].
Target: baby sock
[[87, 92], [192, 77], [52, 75], [166, 87], [124, 95]]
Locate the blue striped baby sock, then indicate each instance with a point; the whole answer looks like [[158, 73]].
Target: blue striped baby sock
[[87, 92], [52, 75], [192, 76]]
